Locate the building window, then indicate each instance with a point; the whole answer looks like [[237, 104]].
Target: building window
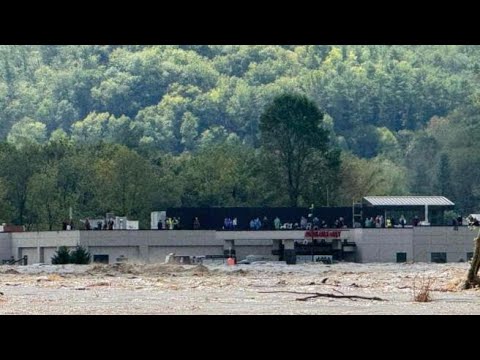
[[401, 257], [440, 258], [101, 259], [469, 256]]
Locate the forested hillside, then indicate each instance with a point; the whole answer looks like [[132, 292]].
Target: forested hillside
[[135, 128]]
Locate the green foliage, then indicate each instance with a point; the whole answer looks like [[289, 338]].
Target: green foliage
[[388, 144], [222, 175], [456, 169], [407, 114], [62, 256], [80, 256], [5, 206], [420, 156], [189, 130], [43, 198], [27, 131], [443, 184], [293, 134], [392, 87], [123, 183], [451, 215], [18, 166], [361, 177], [101, 127]]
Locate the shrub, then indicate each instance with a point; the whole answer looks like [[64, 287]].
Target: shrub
[[62, 256], [80, 256], [423, 293]]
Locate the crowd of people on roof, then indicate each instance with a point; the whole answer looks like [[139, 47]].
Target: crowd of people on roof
[[255, 224], [305, 223]]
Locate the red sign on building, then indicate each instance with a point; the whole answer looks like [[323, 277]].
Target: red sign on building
[[323, 234]]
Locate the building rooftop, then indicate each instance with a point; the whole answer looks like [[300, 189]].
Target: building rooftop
[[408, 201]]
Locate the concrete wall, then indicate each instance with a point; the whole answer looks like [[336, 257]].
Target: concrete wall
[[114, 252], [243, 251], [244, 247], [5, 246], [47, 238], [154, 246], [158, 253], [373, 245], [138, 246], [48, 253], [382, 245], [260, 235], [149, 238], [150, 246], [40, 246], [455, 243], [31, 252], [38, 255]]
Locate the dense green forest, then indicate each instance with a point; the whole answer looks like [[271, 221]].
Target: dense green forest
[[133, 129]]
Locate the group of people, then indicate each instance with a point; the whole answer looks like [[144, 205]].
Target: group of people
[[105, 225], [305, 223], [389, 222], [230, 224], [67, 225], [339, 223], [255, 224], [169, 224], [311, 223]]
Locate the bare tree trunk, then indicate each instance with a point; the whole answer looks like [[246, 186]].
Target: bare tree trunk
[[472, 278], [317, 295]]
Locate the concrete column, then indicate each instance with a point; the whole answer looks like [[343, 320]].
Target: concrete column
[[229, 248], [426, 214], [289, 252], [143, 252], [39, 251], [276, 248], [6, 248], [41, 257]]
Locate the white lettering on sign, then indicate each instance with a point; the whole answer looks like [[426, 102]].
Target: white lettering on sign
[[323, 234]]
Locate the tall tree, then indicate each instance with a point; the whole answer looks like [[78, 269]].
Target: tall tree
[[293, 133], [27, 131], [43, 200], [189, 130], [18, 166], [443, 176], [123, 183]]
